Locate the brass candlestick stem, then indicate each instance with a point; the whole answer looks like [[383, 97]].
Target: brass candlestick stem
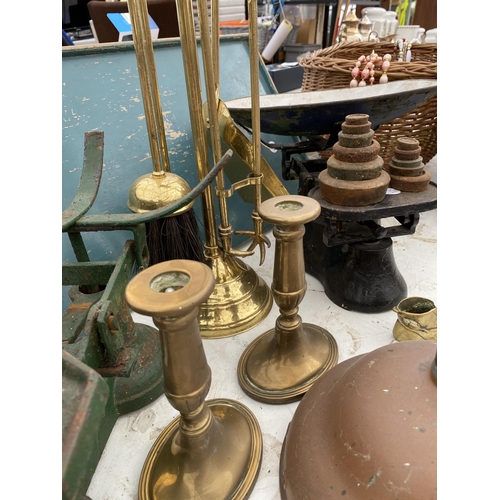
[[283, 363], [241, 299], [213, 449]]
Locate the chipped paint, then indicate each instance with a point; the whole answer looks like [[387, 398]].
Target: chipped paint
[[373, 478], [390, 486], [364, 456]]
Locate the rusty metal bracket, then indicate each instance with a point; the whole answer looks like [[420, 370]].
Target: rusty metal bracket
[[114, 320], [93, 153]]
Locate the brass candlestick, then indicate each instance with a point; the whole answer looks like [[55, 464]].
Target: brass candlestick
[[213, 449], [283, 363]]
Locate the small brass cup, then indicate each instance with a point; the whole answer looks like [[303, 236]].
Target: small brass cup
[[282, 364], [213, 450], [417, 319]]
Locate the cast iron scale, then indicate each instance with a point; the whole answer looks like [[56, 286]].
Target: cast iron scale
[[111, 365], [346, 248]]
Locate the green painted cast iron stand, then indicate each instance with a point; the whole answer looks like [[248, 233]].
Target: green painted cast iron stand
[[111, 365]]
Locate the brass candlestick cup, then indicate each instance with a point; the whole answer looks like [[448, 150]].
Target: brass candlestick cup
[[213, 449], [283, 363]]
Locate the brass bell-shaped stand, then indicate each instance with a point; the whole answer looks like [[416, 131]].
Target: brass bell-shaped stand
[[241, 298], [213, 449], [282, 364]]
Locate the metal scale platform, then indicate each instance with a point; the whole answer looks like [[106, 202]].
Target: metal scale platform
[[348, 249]]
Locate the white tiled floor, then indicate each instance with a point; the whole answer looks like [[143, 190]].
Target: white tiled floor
[[118, 472]]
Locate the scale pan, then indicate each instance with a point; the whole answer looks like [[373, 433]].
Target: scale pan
[[318, 112]]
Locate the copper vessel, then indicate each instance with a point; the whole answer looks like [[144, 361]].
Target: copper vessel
[[367, 429]]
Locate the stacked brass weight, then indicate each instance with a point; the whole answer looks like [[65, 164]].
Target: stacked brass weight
[[283, 363], [406, 168], [354, 175], [213, 450]]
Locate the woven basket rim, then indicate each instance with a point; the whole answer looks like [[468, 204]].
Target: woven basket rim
[[331, 68]]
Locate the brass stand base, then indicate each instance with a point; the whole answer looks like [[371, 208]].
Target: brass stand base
[[226, 468], [241, 299], [271, 376]]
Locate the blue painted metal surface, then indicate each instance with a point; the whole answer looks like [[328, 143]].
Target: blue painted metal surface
[[101, 91]]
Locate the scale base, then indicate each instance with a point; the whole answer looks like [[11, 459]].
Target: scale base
[[359, 277]]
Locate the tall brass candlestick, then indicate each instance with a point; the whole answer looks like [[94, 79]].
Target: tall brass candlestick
[[241, 299], [282, 364], [213, 450]]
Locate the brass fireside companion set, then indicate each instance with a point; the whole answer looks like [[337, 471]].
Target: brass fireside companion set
[[349, 427]]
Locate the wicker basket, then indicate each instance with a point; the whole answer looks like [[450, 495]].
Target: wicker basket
[[330, 68]]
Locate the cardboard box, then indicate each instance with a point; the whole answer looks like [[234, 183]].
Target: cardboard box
[[286, 77], [121, 21]]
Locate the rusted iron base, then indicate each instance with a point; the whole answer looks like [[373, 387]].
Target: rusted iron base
[[121, 358]]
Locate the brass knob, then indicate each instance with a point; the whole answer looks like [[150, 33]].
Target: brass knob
[[213, 449], [156, 190], [283, 363]]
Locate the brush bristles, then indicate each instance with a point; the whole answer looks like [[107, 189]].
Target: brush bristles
[[174, 237]]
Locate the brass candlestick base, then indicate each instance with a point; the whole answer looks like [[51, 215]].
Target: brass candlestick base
[[213, 449], [283, 363]]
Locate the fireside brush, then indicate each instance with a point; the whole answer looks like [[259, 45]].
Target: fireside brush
[[175, 236]]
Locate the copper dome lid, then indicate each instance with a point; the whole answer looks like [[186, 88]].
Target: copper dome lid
[[367, 429]]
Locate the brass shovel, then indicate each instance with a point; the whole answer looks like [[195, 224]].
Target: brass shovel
[[232, 137]]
